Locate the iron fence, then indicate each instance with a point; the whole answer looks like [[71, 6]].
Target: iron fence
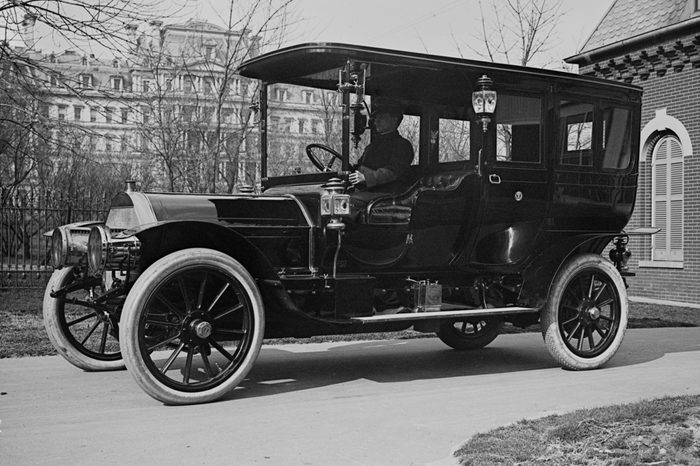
[[24, 248]]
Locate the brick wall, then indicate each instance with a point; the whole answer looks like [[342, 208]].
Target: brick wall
[[675, 87]]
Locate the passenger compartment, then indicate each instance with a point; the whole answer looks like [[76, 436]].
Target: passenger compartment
[[415, 204]]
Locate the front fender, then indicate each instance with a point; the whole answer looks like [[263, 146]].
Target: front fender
[[162, 238]]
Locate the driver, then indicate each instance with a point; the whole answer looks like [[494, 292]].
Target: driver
[[389, 154]]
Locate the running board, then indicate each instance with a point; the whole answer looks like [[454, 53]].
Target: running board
[[451, 314]]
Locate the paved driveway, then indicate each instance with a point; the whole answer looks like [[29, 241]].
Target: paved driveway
[[376, 403]]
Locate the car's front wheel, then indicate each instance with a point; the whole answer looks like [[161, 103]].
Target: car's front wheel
[[585, 316], [192, 326]]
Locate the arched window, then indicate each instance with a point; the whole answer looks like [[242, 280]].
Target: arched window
[[667, 199]]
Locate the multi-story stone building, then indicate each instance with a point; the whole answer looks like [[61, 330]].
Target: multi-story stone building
[[656, 45], [173, 111], [171, 108]]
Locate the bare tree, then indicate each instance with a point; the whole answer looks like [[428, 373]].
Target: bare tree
[[204, 122], [516, 31], [29, 136]]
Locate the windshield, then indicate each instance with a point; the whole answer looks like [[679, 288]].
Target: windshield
[[299, 116]]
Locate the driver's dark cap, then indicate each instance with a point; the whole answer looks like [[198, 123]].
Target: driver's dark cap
[[387, 109]]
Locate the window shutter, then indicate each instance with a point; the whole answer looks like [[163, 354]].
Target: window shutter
[[668, 199], [676, 201]]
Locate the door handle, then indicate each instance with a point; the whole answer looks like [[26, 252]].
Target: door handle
[[494, 179]]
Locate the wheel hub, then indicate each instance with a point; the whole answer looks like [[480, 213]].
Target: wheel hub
[[593, 313], [201, 328], [588, 312]]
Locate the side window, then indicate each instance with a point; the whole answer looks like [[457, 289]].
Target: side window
[[454, 140], [576, 131], [617, 138], [518, 132], [410, 129]]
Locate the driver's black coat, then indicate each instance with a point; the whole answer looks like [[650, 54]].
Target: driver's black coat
[[385, 159]]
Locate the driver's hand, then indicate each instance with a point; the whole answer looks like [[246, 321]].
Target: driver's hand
[[356, 178]]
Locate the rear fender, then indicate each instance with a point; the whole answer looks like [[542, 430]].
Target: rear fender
[[539, 275]]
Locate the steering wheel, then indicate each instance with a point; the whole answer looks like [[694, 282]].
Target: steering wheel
[[314, 152]]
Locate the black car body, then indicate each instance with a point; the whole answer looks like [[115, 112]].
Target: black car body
[[508, 225]]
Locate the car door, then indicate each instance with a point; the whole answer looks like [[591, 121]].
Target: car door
[[515, 183]]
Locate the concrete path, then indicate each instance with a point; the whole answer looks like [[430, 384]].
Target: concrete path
[[360, 403]]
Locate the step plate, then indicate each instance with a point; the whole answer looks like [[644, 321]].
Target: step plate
[[451, 314]]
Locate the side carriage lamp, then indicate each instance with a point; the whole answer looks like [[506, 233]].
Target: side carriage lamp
[[484, 101]]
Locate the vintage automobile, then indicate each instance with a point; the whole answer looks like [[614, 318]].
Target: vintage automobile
[[513, 211]]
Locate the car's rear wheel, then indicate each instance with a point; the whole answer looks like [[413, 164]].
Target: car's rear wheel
[[192, 326], [470, 334], [85, 336], [585, 317]]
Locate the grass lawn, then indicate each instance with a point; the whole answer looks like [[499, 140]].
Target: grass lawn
[[664, 431], [22, 330]]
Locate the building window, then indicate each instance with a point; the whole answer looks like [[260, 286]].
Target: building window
[[301, 125], [208, 86], [117, 83], [667, 199], [274, 124], [77, 113], [308, 97], [109, 111], [281, 94], [62, 112], [86, 81], [209, 52], [93, 114], [125, 116], [188, 84], [146, 85], [109, 139]]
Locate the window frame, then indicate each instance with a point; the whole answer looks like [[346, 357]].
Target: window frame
[[542, 134], [668, 257], [600, 105]]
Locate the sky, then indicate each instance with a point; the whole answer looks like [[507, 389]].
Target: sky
[[440, 27], [432, 26]]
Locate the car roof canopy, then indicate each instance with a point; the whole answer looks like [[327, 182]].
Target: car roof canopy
[[407, 75]]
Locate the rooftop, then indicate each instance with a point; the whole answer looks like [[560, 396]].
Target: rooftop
[[630, 18]]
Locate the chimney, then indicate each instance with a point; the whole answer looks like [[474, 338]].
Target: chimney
[[154, 33], [132, 30], [27, 31]]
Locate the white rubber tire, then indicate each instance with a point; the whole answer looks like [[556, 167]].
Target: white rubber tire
[[64, 343], [147, 285], [553, 329]]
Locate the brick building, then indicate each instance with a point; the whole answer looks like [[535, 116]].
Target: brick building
[[655, 44]]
